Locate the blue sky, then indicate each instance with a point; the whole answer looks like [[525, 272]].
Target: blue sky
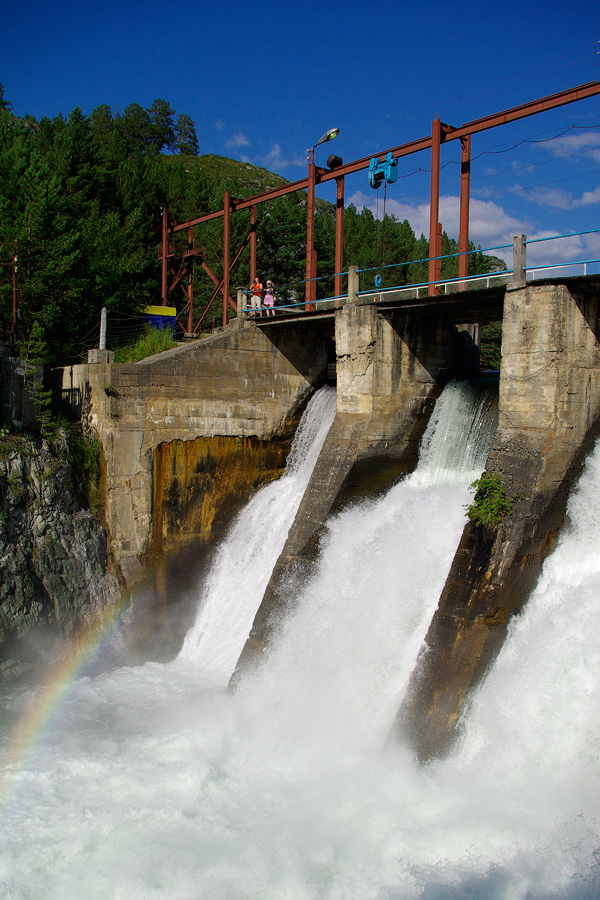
[[264, 80]]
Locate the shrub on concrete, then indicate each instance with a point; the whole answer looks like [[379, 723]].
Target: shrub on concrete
[[490, 503]]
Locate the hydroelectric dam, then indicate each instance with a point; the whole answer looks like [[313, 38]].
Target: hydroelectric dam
[[189, 435]]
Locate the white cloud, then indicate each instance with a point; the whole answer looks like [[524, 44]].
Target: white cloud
[[238, 140], [587, 144], [220, 125], [273, 158], [490, 227], [551, 197], [590, 197], [298, 161], [556, 197]]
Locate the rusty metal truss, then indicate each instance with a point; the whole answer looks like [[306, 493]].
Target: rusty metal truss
[[440, 134]]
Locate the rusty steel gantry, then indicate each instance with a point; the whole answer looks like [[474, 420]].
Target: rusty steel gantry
[[440, 134]]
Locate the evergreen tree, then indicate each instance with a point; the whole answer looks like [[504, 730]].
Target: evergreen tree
[[82, 196], [101, 127], [186, 140], [282, 246], [162, 125], [136, 129], [4, 104]]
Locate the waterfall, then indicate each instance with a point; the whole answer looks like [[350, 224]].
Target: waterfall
[[153, 783], [244, 563]]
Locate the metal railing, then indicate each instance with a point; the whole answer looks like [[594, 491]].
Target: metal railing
[[519, 274]]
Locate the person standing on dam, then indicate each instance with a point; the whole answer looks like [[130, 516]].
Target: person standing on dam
[[269, 299], [256, 297]]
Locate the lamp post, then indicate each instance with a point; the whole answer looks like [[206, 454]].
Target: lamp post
[[311, 254]]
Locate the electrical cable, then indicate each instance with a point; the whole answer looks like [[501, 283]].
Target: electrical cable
[[406, 118], [505, 149], [509, 171], [347, 142], [531, 187]]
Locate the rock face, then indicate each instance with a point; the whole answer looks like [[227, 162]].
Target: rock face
[[54, 583]]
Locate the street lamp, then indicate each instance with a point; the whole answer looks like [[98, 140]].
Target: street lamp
[[311, 255], [328, 136]]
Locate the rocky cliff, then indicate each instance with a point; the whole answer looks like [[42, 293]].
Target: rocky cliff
[[54, 578]]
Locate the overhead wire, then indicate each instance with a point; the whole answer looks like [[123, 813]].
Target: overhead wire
[[582, 152], [483, 91], [532, 187], [505, 148]]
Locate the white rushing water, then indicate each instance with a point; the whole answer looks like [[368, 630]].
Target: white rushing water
[[153, 783], [241, 571]]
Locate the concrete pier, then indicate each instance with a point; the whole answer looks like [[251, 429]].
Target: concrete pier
[[549, 411]]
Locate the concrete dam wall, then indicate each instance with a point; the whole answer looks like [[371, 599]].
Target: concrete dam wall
[[188, 435], [191, 432]]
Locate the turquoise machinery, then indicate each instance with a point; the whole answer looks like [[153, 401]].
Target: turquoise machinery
[[380, 171]]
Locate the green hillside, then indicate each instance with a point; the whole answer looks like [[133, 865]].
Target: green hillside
[[249, 179], [80, 208]]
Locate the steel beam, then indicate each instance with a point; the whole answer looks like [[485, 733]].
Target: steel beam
[[339, 238], [320, 176], [164, 241], [434, 203], [465, 192], [511, 115], [252, 243], [309, 287], [226, 237], [526, 109]]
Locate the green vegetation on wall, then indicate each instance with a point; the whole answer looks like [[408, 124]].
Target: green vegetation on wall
[[150, 341], [84, 456], [490, 503]]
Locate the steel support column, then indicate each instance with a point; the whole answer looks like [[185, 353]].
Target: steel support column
[[444, 134], [15, 292], [190, 289], [252, 243], [226, 214], [311, 266], [164, 242], [339, 239], [465, 192], [435, 247], [437, 269]]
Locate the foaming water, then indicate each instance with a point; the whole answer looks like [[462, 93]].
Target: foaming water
[[460, 432], [239, 576], [153, 785]]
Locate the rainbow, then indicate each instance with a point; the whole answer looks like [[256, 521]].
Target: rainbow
[[55, 686]]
